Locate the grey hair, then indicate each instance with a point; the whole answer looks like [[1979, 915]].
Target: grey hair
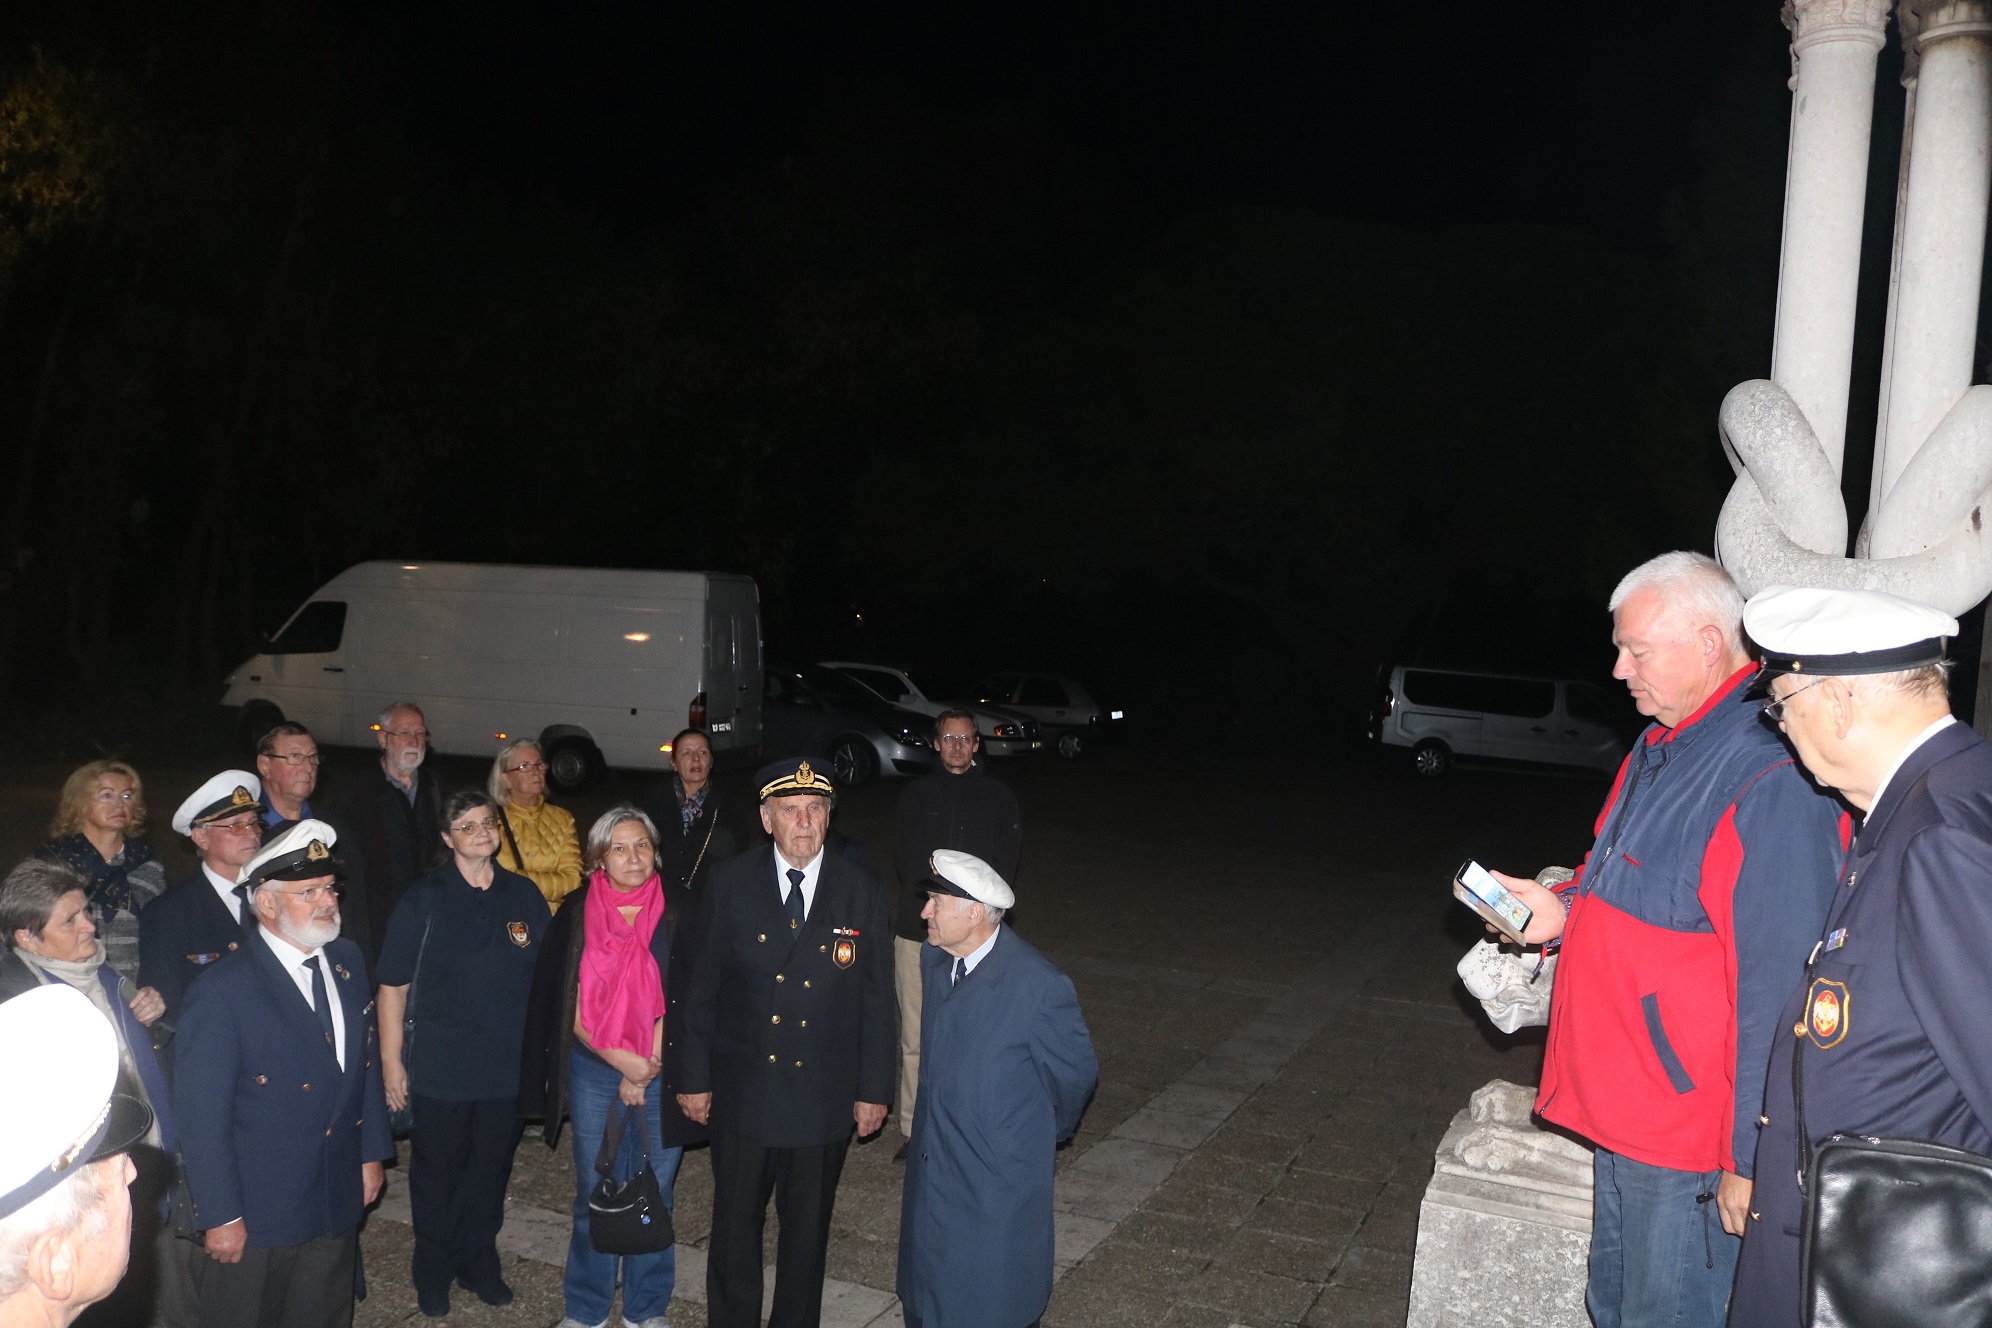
[[75, 1204], [495, 785], [993, 913], [28, 896], [380, 720], [1690, 583], [1925, 682], [597, 850]]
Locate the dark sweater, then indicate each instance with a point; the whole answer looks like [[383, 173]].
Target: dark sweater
[[970, 812]]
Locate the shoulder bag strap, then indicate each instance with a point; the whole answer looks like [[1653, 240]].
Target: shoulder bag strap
[[712, 824], [1800, 1038], [415, 978], [512, 840], [605, 1160]]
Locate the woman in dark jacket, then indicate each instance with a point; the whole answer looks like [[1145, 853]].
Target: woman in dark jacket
[[697, 826], [467, 937], [572, 1073]]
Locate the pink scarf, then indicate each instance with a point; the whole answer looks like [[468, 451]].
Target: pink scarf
[[622, 993]]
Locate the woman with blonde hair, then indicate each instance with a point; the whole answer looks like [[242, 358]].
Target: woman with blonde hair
[[98, 828], [537, 839]]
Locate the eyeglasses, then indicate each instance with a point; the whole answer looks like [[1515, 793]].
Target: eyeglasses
[[240, 825], [106, 795], [473, 827], [525, 768], [294, 759], [313, 895], [957, 739], [419, 735], [1776, 709]]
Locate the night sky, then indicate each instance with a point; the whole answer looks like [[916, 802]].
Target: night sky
[[1229, 351]]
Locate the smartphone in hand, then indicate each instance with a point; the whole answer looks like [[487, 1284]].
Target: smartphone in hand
[[1504, 910]]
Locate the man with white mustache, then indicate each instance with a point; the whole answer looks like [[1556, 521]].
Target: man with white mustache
[[277, 1046]]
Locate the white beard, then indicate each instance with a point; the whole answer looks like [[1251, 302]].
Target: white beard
[[311, 935]]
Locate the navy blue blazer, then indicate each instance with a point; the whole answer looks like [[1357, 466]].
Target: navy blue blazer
[[271, 1129], [790, 1029], [1892, 1024], [180, 935], [1006, 1068]]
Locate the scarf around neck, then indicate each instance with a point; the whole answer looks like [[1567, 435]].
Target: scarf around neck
[[110, 882], [691, 806], [622, 992]]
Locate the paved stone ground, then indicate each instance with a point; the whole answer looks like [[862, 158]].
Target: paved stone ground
[[1266, 967]]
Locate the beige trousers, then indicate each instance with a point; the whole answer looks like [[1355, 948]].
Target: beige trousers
[[906, 978]]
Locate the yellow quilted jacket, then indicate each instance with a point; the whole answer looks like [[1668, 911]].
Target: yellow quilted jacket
[[553, 851]]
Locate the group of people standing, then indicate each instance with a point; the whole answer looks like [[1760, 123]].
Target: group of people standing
[[1791, 883], [698, 971]]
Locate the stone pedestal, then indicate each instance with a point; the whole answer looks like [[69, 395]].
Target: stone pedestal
[[1505, 1229]]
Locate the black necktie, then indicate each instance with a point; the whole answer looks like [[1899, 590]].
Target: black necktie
[[321, 1002], [245, 913], [960, 971], [795, 899]]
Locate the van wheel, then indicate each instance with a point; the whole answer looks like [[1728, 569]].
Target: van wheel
[[1070, 746], [1431, 758], [573, 764], [854, 762], [258, 718]]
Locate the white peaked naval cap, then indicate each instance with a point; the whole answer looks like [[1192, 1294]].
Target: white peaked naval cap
[[965, 875], [227, 793], [1844, 632], [301, 853], [59, 1108]]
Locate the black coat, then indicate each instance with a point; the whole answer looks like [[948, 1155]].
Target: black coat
[[725, 826], [970, 812], [1895, 1039], [180, 935], [386, 844], [556, 993], [789, 1030]]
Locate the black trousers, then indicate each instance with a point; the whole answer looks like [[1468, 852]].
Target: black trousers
[[459, 1162], [804, 1184], [293, 1286]]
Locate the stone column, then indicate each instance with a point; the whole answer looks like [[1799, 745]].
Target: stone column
[[1932, 336], [1833, 48]]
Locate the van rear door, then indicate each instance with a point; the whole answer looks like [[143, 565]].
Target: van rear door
[[733, 663]]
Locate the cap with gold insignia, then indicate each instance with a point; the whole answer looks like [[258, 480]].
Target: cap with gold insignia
[[793, 778], [1840, 633], [59, 1107], [969, 877], [227, 793], [301, 853]]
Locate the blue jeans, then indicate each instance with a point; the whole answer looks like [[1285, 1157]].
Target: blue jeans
[[1658, 1258], [647, 1279]]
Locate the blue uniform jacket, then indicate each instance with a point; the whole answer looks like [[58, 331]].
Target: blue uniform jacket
[[181, 935], [1006, 1068], [1895, 1037], [271, 1129]]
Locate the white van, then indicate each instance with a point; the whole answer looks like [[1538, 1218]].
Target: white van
[[602, 666], [1441, 714]]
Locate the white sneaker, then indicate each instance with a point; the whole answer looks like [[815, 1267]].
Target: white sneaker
[[659, 1322], [576, 1323]]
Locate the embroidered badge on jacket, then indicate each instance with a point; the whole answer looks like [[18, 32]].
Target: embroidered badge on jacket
[[844, 953], [521, 935], [1827, 1018]]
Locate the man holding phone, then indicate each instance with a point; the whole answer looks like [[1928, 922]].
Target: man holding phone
[[1682, 935]]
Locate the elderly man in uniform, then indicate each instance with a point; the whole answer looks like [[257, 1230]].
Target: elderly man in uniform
[[278, 1095], [1682, 934], [1890, 1016], [1007, 1071], [65, 1209], [960, 807], [788, 1042], [201, 918]]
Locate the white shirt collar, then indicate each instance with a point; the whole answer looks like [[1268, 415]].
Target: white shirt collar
[[1905, 754], [980, 952], [292, 961], [810, 870], [223, 887]]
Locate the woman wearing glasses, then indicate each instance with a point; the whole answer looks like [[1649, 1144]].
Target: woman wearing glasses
[[466, 938], [99, 821], [538, 839]]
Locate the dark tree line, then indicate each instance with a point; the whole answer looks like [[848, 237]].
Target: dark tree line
[[947, 395]]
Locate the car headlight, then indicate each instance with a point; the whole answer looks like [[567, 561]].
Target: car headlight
[[908, 736], [1006, 731]]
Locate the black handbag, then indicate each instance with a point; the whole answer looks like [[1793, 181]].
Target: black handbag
[[627, 1216], [1895, 1232], [402, 1122]]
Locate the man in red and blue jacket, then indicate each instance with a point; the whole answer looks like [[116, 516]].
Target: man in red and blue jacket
[[1682, 936]]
